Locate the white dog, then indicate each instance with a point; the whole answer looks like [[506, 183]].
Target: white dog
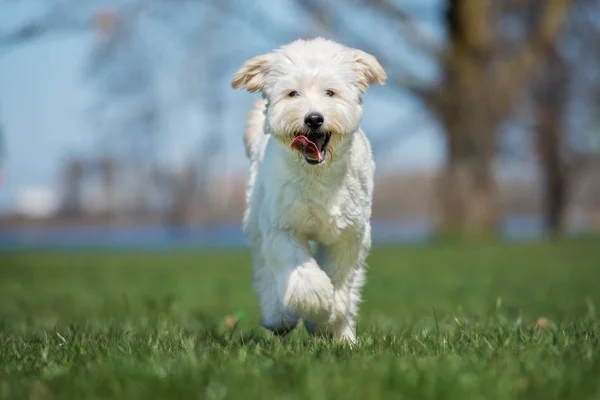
[[311, 180]]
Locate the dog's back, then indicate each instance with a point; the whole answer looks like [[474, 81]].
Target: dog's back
[[254, 131]]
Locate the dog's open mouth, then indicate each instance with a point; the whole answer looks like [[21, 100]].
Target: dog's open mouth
[[312, 146]]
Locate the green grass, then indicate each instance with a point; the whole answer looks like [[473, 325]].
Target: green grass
[[447, 321]]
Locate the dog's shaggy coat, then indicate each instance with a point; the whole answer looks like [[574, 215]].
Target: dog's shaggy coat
[[294, 198]]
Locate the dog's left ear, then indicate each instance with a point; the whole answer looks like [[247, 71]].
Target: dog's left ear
[[252, 74], [369, 70]]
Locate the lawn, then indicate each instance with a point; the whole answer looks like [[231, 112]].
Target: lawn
[[468, 321]]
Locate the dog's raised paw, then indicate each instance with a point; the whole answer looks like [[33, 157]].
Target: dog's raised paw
[[310, 293]]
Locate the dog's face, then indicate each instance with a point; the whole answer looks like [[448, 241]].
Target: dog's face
[[313, 90]]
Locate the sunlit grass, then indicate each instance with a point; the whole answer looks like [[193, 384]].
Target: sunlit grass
[[460, 322]]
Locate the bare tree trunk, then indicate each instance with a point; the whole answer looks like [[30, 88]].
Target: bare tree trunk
[[555, 178], [466, 192], [549, 94], [183, 190], [108, 174], [73, 177]]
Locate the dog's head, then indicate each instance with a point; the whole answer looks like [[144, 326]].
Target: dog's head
[[313, 90]]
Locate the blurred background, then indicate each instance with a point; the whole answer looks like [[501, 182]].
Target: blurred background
[[118, 125]]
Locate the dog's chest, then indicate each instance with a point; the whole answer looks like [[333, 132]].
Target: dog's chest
[[318, 212]]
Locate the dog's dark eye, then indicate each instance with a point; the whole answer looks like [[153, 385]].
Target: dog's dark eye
[[293, 93], [329, 93]]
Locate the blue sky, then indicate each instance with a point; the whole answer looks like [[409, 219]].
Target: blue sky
[[45, 99], [42, 104]]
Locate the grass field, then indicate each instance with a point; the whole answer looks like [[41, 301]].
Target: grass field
[[438, 322]]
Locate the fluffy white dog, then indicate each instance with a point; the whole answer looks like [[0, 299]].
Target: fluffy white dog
[[311, 180]]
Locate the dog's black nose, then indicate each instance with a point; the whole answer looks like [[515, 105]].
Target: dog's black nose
[[314, 120]]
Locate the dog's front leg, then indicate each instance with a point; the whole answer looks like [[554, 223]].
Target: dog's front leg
[[344, 264], [303, 288]]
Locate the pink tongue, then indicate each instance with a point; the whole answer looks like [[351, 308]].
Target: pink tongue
[[306, 147]]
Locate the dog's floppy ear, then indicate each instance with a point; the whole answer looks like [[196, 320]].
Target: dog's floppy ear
[[252, 74], [369, 70]]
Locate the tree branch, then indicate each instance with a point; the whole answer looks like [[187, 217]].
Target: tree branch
[[407, 26], [401, 80], [529, 57]]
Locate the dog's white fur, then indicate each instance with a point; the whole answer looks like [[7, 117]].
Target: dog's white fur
[[292, 203]]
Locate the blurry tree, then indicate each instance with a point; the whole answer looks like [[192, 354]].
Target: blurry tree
[[484, 72], [2, 153], [200, 88], [108, 168], [567, 84], [127, 112], [493, 48], [72, 182], [550, 100]]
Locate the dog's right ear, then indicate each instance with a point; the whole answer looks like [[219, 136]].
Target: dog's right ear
[[252, 74]]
